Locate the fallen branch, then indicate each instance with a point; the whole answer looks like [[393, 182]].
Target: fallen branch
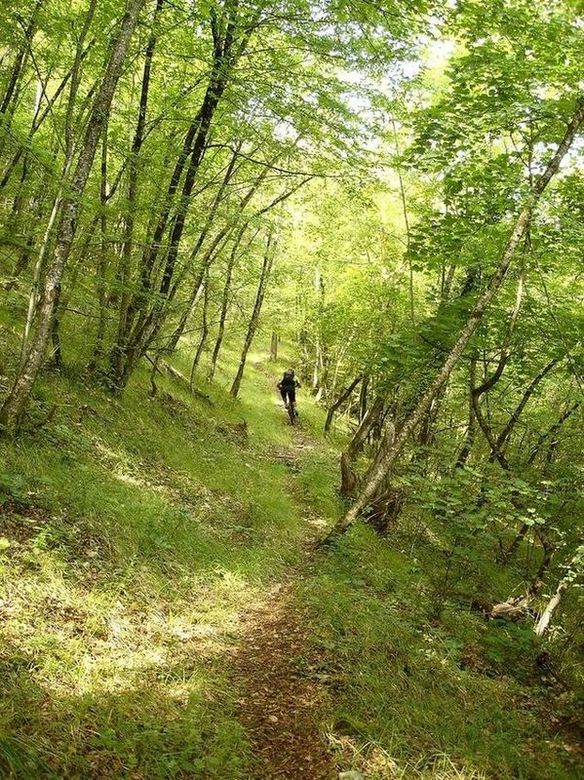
[[165, 369]]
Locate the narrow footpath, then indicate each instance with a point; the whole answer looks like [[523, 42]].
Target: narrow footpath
[[281, 700]]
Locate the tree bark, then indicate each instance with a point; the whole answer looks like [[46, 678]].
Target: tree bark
[[363, 397], [340, 401], [132, 193], [225, 301], [214, 249], [507, 430], [204, 331], [17, 68], [274, 347], [141, 319], [469, 438], [552, 431], [102, 262], [349, 456], [546, 616]]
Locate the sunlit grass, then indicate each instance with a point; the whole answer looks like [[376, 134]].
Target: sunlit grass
[[138, 533], [151, 531]]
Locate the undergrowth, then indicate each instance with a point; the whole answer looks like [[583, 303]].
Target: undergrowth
[[136, 533]]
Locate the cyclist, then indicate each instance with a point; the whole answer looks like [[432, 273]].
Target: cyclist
[[287, 387]]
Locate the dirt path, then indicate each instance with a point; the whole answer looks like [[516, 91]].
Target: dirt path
[[280, 704], [281, 699]]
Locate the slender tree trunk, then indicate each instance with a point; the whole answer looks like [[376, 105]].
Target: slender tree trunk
[[508, 429], [19, 62], [253, 323], [552, 431], [19, 198], [317, 373], [102, 263], [346, 393], [149, 320], [274, 347], [217, 85], [76, 80], [387, 459], [469, 438], [546, 616], [349, 479], [211, 214], [20, 391], [537, 582], [225, 301], [490, 381], [150, 325], [204, 332], [116, 356], [214, 250], [363, 397]]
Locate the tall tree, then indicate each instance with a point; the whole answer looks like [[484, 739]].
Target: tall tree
[[388, 457], [35, 350]]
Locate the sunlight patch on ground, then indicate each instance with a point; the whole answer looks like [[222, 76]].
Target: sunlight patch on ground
[[377, 764]]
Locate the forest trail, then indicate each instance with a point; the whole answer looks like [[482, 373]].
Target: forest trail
[[279, 702], [275, 671]]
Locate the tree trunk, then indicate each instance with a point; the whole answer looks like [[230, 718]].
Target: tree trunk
[[204, 331], [363, 397], [469, 438], [274, 347], [225, 302], [552, 431], [17, 68], [76, 80], [349, 456], [340, 401], [506, 432], [385, 463], [215, 89], [253, 323], [214, 249], [140, 320], [149, 322], [490, 381], [116, 356], [102, 263], [545, 618], [18, 396]]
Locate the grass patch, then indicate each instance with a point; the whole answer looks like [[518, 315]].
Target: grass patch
[[136, 532], [419, 697]]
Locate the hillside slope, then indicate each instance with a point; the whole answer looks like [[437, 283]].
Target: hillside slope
[[164, 614]]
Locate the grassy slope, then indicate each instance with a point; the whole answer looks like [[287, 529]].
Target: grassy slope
[[141, 530]]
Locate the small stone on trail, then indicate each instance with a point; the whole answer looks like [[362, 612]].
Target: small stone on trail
[[352, 774], [273, 719]]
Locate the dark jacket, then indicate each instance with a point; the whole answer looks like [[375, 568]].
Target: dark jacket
[[288, 383]]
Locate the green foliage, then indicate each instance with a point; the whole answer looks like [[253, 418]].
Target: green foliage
[[382, 153]]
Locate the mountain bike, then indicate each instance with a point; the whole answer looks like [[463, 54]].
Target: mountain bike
[[292, 412]]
